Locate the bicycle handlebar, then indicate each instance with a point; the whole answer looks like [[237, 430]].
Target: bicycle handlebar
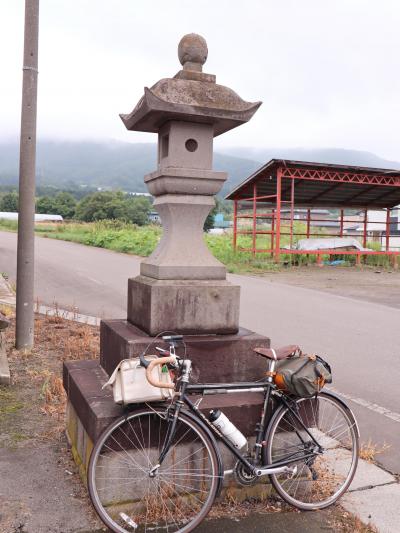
[[155, 362]]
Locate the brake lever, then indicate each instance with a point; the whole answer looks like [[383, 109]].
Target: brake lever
[[161, 350]]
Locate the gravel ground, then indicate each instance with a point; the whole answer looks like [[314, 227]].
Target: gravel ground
[[371, 284]]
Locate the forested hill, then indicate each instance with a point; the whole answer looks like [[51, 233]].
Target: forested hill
[[122, 165]]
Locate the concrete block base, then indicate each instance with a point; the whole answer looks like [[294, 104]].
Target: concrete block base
[[184, 306], [90, 410], [216, 358], [5, 376]]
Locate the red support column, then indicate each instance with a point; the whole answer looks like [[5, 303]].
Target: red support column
[[308, 222], [272, 231], [291, 212], [235, 202], [387, 229], [365, 228], [254, 219], [278, 214], [341, 222]]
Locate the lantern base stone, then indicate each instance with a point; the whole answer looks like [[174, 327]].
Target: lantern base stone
[[184, 306]]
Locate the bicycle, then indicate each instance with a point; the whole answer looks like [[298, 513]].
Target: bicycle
[[159, 468]]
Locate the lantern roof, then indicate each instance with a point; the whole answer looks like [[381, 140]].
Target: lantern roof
[[190, 95]]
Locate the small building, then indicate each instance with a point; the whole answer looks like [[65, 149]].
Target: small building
[[154, 217], [220, 222], [38, 217]]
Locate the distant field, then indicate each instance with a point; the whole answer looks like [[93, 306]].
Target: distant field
[[142, 240]]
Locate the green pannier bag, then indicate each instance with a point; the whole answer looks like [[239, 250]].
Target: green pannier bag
[[302, 375]]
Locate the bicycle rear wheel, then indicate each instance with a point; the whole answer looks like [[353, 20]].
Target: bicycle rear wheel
[[321, 477], [180, 494]]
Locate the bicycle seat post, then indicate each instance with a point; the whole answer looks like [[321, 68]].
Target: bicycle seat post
[[271, 367]]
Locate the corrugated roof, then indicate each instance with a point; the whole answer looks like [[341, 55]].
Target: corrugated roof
[[330, 192]]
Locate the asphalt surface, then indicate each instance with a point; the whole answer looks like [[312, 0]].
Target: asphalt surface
[[360, 339]]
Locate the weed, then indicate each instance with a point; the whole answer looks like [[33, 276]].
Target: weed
[[7, 310], [369, 450]]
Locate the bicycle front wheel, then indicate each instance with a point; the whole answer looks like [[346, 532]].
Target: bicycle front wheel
[[176, 497], [324, 470]]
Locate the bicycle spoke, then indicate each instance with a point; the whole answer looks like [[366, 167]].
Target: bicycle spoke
[[323, 476], [180, 491]]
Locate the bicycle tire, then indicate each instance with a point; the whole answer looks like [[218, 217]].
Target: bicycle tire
[[322, 480], [129, 448]]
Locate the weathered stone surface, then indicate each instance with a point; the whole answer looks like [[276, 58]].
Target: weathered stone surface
[[182, 253], [193, 307], [192, 51], [5, 376], [174, 180], [185, 145], [215, 357], [96, 409]]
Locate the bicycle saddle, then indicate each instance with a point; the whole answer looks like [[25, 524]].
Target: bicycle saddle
[[278, 353]]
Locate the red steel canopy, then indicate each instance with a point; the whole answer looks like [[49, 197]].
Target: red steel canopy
[[320, 184], [311, 185]]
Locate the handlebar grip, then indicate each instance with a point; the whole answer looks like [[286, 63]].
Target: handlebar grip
[[161, 361], [143, 361]]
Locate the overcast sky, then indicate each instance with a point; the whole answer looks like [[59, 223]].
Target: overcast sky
[[327, 71]]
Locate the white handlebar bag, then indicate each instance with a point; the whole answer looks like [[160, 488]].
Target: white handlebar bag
[[130, 385]]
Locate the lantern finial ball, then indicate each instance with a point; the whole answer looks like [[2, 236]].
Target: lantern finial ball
[[192, 51]]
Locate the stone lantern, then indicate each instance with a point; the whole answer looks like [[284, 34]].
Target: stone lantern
[[182, 287]]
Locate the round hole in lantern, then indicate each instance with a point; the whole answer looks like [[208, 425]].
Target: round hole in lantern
[[191, 145]]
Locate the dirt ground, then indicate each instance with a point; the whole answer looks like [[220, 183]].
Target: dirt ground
[[366, 283], [40, 490]]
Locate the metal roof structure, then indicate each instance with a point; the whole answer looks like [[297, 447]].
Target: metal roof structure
[[324, 185], [266, 202]]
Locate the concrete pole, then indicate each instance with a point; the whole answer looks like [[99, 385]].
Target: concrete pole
[[25, 252]]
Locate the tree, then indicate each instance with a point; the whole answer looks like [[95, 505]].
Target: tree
[[138, 209], [9, 202], [209, 221], [65, 205], [99, 206], [45, 205], [113, 206]]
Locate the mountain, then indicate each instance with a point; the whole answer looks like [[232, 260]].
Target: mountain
[[339, 156], [122, 165], [114, 164]]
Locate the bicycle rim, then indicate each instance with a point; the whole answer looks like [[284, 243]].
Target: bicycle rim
[[321, 478], [176, 499]]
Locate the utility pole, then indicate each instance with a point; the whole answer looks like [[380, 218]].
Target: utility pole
[[27, 163]]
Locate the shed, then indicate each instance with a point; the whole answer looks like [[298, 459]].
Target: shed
[[274, 192]]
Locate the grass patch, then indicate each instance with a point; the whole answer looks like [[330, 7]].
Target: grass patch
[[142, 240], [8, 225], [8, 402]]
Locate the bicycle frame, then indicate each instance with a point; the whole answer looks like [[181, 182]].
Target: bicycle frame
[[268, 388]]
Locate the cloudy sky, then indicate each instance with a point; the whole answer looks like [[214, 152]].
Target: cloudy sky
[[327, 71]]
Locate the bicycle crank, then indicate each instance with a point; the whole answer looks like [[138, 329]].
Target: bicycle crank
[[291, 470]]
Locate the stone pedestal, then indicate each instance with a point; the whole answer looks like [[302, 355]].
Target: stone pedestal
[[183, 306], [215, 357]]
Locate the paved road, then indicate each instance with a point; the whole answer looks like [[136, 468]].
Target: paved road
[[360, 339]]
